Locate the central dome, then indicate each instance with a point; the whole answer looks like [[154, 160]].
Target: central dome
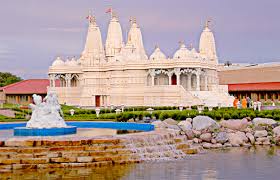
[[182, 53]]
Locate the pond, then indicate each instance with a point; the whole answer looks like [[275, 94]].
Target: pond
[[235, 163]]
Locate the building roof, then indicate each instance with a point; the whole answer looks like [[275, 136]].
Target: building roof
[[29, 86], [250, 74], [266, 86]]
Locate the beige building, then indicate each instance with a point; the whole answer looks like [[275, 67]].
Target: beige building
[[260, 82], [122, 73]]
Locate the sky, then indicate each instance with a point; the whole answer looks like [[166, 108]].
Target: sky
[[34, 32]]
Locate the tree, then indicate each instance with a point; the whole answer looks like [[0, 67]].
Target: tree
[[8, 78]]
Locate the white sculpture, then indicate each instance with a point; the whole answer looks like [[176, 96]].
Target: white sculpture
[[46, 113]]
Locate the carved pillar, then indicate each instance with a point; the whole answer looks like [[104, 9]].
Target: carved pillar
[[52, 80], [68, 80], [169, 79], [189, 82], [205, 83], [152, 73], [177, 73]]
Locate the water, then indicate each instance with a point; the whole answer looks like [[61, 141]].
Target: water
[[237, 163]]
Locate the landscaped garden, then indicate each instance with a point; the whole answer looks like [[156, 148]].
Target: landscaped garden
[[139, 113]]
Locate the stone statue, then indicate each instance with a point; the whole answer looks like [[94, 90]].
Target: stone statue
[[46, 113]]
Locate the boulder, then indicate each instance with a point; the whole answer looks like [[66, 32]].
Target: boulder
[[206, 137], [159, 124], [242, 135], [175, 127], [189, 134], [189, 120], [235, 139], [222, 137], [239, 125], [276, 131], [196, 140], [131, 120], [213, 141], [207, 145], [196, 133], [170, 121], [251, 138], [218, 145], [262, 133], [204, 122], [185, 125], [263, 140], [263, 121]]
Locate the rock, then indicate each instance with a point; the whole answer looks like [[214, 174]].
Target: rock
[[204, 122], [185, 125], [222, 137], [189, 134], [239, 125], [227, 145], [243, 136], [206, 137], [207, 145], [196, 133], [262, 139], [235, 139], [276, 131], [262, 133], [213, 141], [251, 138], [263, 121], [170, 121], [175, 127], [247, 145], [189, 120], [131, 120], [159, 124], [196, 140], [218, 145]]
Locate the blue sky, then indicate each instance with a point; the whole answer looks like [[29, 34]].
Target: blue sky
[[34, 32]]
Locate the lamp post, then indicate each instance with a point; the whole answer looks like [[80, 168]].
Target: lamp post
[[200, 108], [118, 111], [181, 107], [122, 106], [97, 110], [150, 110]]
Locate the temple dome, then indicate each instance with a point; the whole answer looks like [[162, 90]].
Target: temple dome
[[58, 62], [114, 39], [194, 53], [207, 45], [157, 54], [182, 53], [93, 47], [72, 62], [135, 38]]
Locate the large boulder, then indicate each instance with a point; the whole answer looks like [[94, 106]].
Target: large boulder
[[251, 138], [236, 139], [239, 125], [259, 134], [263, 121], [243, 136], [204, 122], [222, 137], [206, 137], [170, 121], [185, 125], [159, 124], [276, 131]]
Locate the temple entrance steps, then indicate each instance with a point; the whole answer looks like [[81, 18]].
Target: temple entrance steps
[[169, 95], [214, 98]]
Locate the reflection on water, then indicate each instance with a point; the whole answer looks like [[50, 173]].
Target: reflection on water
[[236, 163]]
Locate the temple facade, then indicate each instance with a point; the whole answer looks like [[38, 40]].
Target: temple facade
[[121, 73]]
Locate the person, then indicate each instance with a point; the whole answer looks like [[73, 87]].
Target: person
[[244, 103], [248, 101], [235, 102]]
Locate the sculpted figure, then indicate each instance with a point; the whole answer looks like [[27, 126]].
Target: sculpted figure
[[46, 114]]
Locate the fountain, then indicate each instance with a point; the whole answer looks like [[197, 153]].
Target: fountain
[[46, 120]]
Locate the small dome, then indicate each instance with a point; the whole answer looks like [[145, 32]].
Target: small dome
[[71, 62], [194, 53], [182, 53], [157, 54], [58, 62]]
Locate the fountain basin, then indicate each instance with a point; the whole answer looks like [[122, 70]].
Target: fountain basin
[[24, 131]]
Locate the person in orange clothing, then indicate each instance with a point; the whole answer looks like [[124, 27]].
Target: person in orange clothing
[[244, 103], [235, 102]]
